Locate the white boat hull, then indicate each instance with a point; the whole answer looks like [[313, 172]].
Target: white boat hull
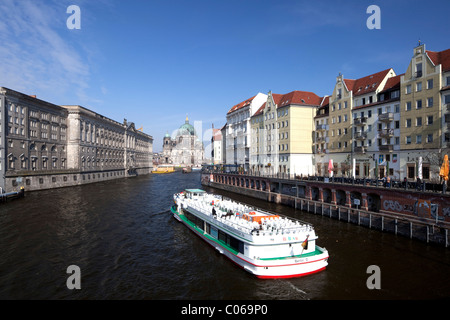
[[269, 268]]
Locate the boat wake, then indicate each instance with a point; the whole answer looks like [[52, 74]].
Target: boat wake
[[303, 293]]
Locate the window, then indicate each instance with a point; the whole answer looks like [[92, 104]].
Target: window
[[395, 94], [418, 121], [429, 120], [369, 113], [419, 138], [447, 81], [397, 108], [419, 86], [447, 99], [418, 70], [411, 171], [429, 102], [430, 84], [397, 124], [419, 104], [408, 123], [408, 89], [430, 138], [408, 106], [408, 139]]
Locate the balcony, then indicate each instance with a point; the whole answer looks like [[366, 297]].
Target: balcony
[[386, 133], [359, 121], [321, 151], [386, 117], [361, 135], [386, 147], [321, 127], [448, 106], [360, 149], [320, 139]]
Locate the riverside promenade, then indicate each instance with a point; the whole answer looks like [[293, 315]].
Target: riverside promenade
[[406, 209]]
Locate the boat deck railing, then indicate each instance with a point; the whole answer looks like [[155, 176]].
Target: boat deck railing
[[231, 213]]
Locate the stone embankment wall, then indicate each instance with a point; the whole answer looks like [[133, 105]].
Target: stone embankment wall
[[421, 215]]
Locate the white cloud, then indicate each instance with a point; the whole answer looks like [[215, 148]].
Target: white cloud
[[37, 52]]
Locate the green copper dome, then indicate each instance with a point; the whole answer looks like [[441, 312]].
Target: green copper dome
[[186, 129]]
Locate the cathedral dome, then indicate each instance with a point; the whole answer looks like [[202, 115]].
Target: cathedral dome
[[186, 129]]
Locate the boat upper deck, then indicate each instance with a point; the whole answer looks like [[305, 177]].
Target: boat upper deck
[[253, 224]]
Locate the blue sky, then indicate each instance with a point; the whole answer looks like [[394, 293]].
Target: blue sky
[[154, 61]]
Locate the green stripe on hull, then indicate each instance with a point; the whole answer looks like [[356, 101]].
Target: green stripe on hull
[[200, 231], [310, 254], [318, 251]]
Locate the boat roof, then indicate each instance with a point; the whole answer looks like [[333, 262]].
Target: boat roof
[[195, 190]]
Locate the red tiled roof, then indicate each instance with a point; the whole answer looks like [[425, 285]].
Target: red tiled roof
[[294, 97], [441, 57], [366, 84], [276, 99], [241, 105], [325, 101], [300, 97], [392, 83], [217, 134]]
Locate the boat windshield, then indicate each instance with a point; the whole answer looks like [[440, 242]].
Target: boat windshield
[[194, 193]]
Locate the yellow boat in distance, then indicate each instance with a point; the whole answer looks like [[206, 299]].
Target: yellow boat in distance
[[164, 169]]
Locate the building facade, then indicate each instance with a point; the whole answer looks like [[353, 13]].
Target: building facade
[[423, 113], [216, 146], [342, 128], [45, 146], [377, 135], [376, 126], [281, 134], [238, 140]]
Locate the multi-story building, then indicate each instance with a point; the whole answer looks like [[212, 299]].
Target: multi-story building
[[281, 134], [216, 146], [377, 134], [43, 145], [423, 109], [238, 142], [348, 95]]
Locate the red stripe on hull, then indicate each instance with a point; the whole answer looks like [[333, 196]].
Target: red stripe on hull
[[290, 275], [201, 236]]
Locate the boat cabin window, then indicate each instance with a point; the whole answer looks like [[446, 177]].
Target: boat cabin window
[[194, 193]]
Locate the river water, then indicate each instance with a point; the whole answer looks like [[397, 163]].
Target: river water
[[127, 245]]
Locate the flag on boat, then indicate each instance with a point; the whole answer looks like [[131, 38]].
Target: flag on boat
[[305, 243]]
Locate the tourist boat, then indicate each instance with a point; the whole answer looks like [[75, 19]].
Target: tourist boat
[[266, 244], [164, 169]]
